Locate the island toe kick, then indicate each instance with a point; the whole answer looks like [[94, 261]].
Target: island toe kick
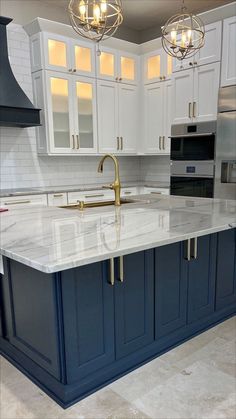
[[74, 331]]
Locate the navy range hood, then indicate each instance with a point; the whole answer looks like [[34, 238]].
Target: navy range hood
[[16, 110]]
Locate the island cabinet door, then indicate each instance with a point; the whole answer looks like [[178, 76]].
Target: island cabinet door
[[30, 314], [170, 289], [226, 269], [88, 311], [134, 303], [201, 278]]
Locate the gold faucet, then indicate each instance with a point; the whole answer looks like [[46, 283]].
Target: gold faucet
[[116, 186]]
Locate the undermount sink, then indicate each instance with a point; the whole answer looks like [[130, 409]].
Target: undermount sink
[[81, 205]]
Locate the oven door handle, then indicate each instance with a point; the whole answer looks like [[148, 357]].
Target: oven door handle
[[206, 134]]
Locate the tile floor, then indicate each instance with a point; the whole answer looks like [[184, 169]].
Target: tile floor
[[196, 380]]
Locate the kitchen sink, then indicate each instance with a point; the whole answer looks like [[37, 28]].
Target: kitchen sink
[[81, 205]]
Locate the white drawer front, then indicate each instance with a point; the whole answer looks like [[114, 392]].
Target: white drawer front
[[129, 191], [24, 200], [157, 191], [90, 196], [56, 199]]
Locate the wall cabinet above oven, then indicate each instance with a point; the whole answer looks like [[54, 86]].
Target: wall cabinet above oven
[[209, 53], [195, 94]]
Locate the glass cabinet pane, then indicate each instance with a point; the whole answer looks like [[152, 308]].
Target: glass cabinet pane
[[57, 53], [107, 64], [84, 92], [169, 65], [153, 67], [60, 112], [83, 59], [127, 68]]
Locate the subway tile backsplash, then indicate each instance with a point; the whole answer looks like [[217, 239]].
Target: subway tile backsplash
[[22, 167]]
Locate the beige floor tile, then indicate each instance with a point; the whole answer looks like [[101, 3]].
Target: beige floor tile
[[144, 379], [227, 329], [192, 394]]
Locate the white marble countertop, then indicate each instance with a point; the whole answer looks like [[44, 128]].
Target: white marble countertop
[[75, 188], [53, 239]]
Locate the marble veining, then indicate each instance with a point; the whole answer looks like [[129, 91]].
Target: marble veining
[[53, 239]]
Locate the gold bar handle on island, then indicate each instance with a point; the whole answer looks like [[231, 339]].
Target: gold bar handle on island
[[194, 248], [121, 269], [112, 272], [187, 250]]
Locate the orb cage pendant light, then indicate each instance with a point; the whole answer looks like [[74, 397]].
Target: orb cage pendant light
[[96, 20], [183, 34]]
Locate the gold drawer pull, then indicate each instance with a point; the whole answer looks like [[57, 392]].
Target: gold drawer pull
[[25, 201], [121, 269], [127, 192], [112, 272], [58, 195], [94, 196], [155, 193]]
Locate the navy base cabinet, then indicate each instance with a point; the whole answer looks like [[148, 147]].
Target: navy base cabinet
[[226, 269], [75, 331]]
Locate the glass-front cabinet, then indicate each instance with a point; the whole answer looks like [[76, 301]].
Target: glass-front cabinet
[[60, 53], [69, 104], [157, 66], [117, 66]]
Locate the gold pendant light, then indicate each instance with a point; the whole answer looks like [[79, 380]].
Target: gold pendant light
[[183, 34], [95, 19]]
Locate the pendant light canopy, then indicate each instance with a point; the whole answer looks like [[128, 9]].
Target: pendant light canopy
[[95, 19], [183, 35]]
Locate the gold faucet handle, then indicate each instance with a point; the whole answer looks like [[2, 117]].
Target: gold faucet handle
[[108, 186]]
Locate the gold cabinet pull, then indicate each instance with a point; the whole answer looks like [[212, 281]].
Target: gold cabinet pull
[[74, 70], [77, 140], [99, 195], [127, 192], [194, 109], [187, 251], [112, 272], [57, 195], [121, 143], [163, 142], [121, 269], [73, 141], [118, 143], [190, 110], [24, 201], [70, 70], [117, 78], [194, 248], [120, 78], [159, 142], [155, 193]]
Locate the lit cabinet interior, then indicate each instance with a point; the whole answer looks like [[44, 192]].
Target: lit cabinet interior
[[85, 114], [57, 53], [107, 64], [59, 91], [157, 66]]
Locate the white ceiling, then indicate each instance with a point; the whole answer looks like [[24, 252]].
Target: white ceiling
[[144, 14]]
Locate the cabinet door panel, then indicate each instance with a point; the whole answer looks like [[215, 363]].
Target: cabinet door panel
[[83, 58], [228, 67], [226, 269], [152, 67], [57, 52], [128, 117], [182, 97], [107, 64], [206, 86], [170, 289], [134, 302], [201, 285], [30, 312], [154, 114], [211, 51], [107, 116], [88, 319], [128, 68]]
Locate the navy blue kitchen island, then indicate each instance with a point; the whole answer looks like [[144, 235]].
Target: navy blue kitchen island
[[73, 331]]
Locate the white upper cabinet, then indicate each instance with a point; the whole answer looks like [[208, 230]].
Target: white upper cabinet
[[59, 53], [117, 66], [117, 117], [128, 118], [157, 109], [209, 53], [195, 94], [182, 97], [107, 116], [228, 65], [69, 124], [206, 87], [157, 66]]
